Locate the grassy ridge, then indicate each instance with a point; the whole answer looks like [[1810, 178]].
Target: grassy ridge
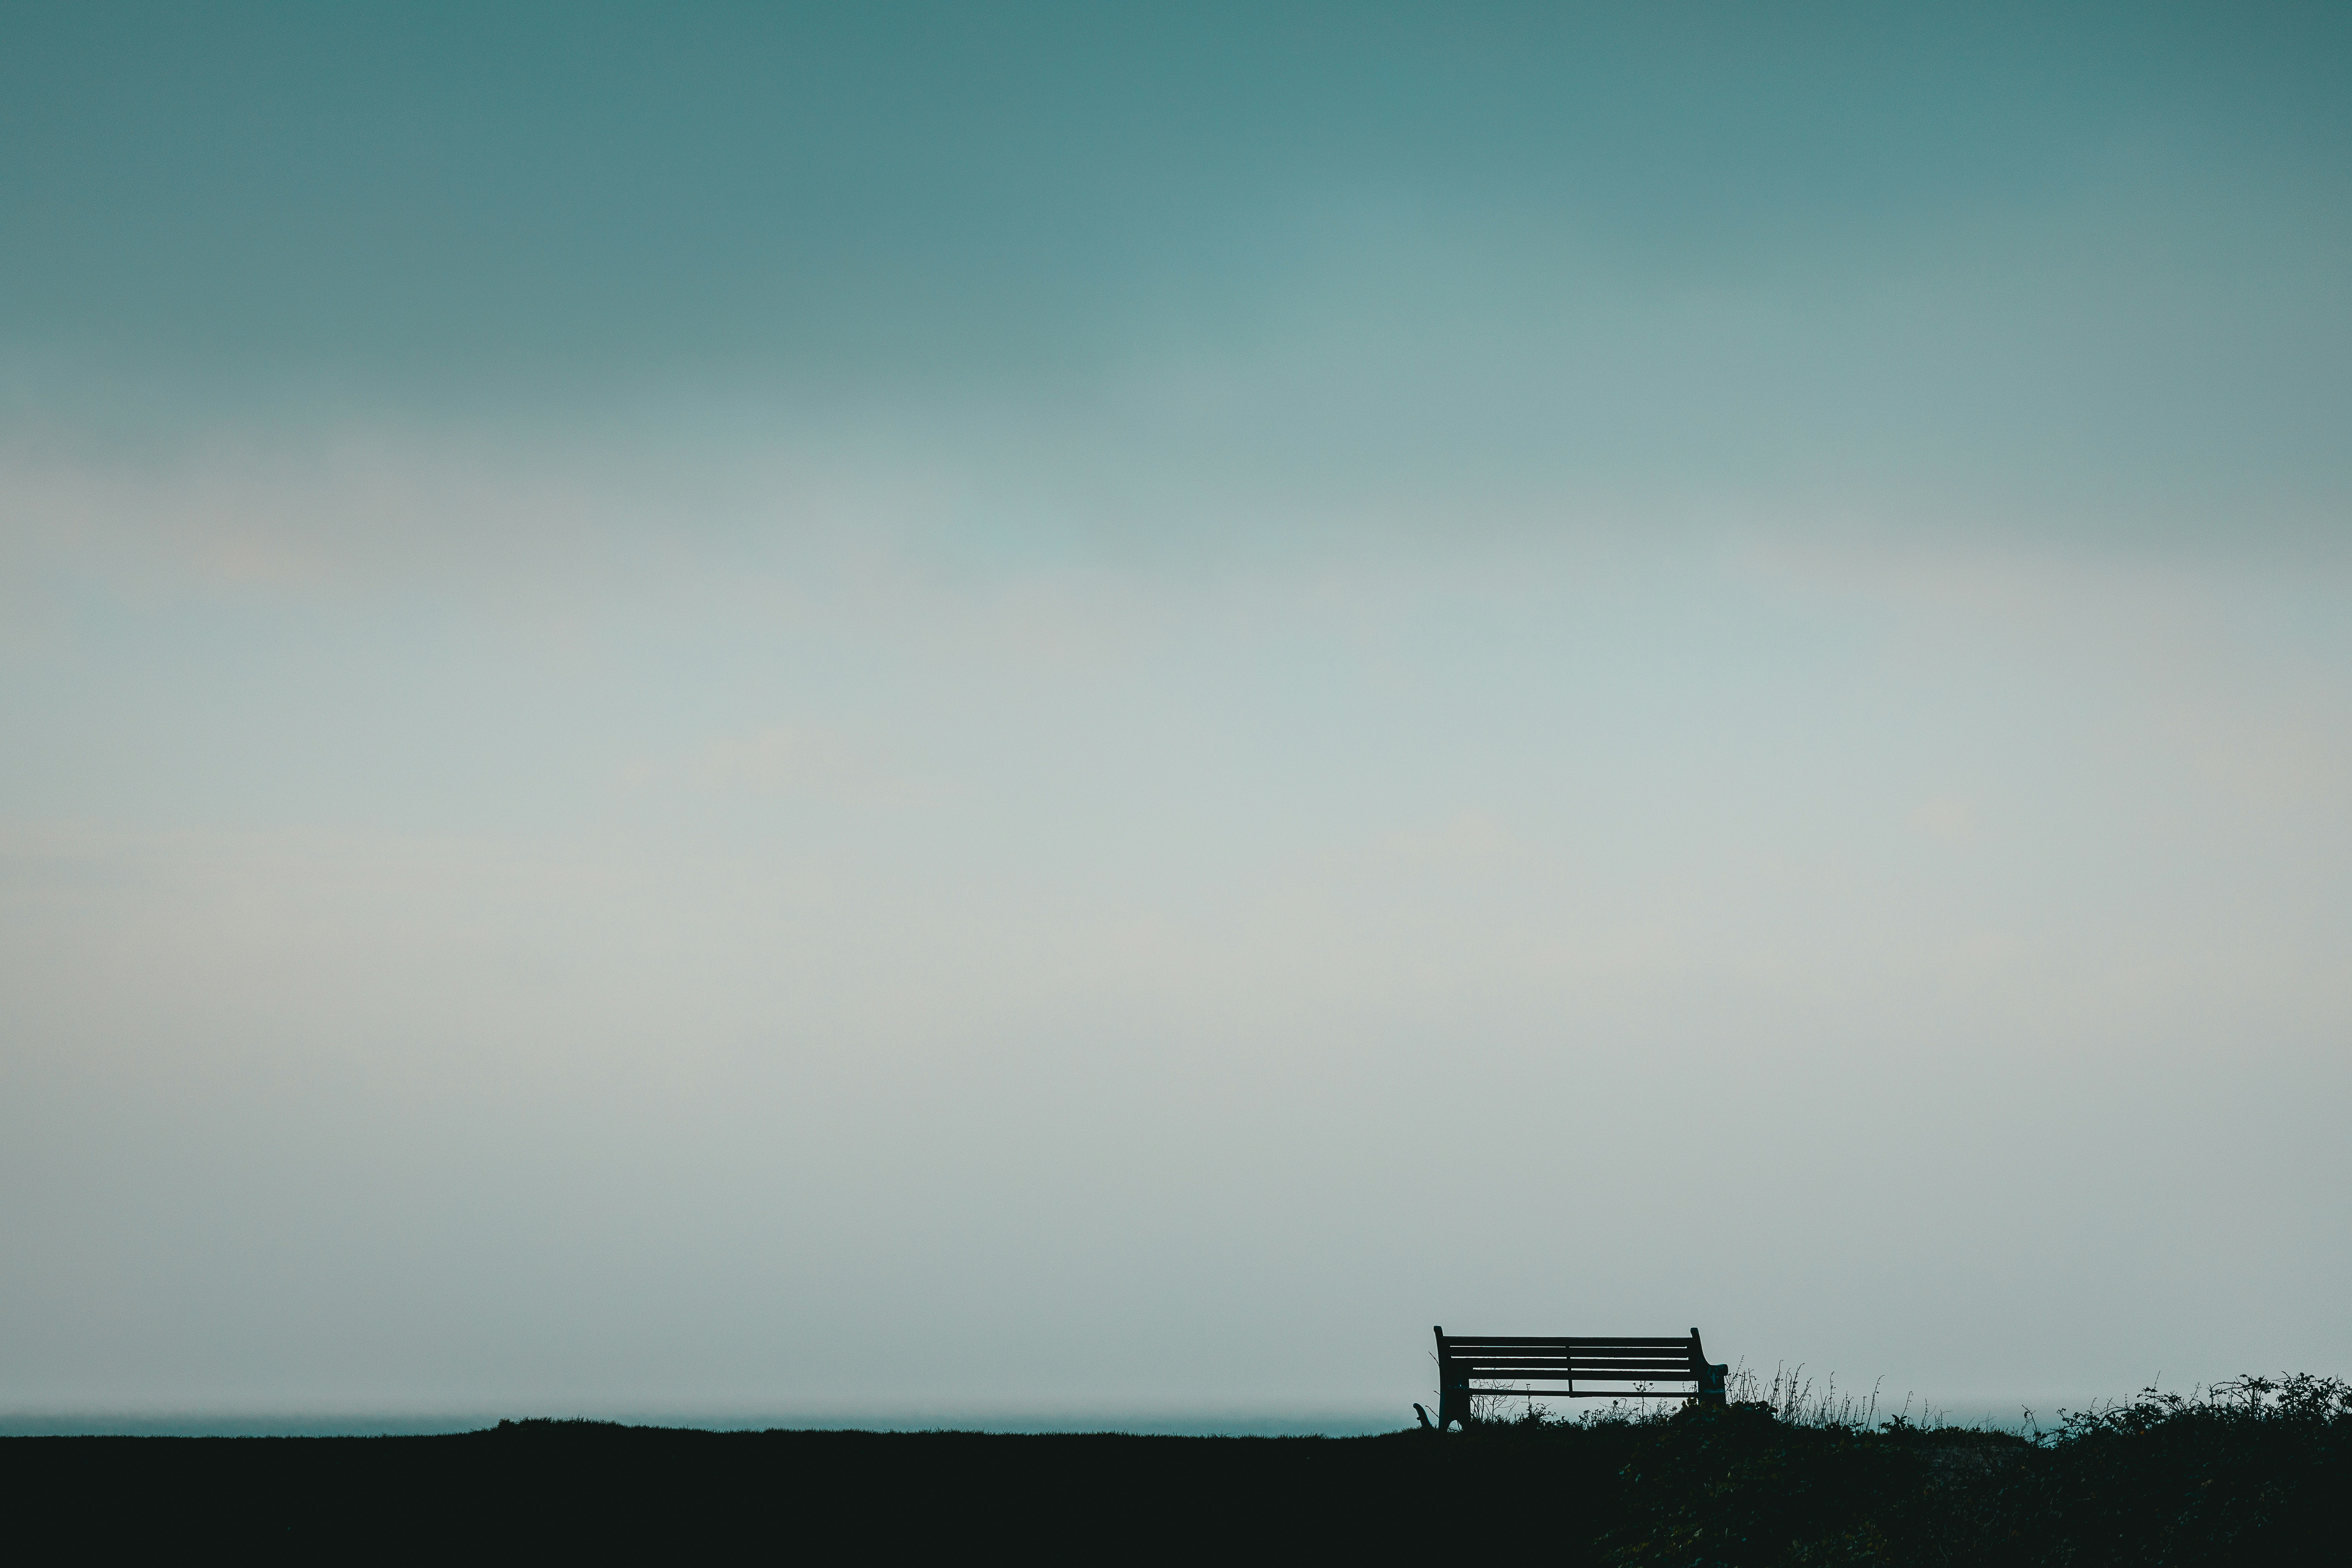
[[2248, 1473], [2253, 1471]]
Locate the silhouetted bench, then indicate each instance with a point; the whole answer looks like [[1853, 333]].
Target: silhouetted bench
[[1592, 1368]]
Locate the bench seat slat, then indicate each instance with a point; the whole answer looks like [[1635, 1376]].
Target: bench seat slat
[[1615, 1374], [1579, 1393], [1594, 1342], [1572, 1361], [1525, 1360], [1582, 1374], [1653, 1374], [1506, 1339]]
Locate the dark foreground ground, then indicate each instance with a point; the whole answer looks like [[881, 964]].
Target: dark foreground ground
[[2258, 1481]]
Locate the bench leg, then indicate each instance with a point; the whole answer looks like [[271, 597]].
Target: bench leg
[[1452, 1401], [1452, 1388]]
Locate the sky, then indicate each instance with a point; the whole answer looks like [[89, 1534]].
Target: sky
[[1078, 712]]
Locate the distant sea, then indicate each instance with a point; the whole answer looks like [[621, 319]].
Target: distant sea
[[200, 1425]]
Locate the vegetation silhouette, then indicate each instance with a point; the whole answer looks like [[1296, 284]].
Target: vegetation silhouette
[[2251, 1471]]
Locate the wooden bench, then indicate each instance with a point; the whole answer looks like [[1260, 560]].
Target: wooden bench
[[1605, 1368]]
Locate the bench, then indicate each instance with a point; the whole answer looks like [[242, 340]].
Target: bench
[[1606, 1369]]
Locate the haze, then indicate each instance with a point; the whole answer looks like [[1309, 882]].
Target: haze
[[1084, 711]]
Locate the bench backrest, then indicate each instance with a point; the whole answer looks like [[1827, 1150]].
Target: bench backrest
[[1612, 1367]]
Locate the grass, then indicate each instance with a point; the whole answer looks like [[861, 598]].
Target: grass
[[2250, 1470], [1788, 1393]]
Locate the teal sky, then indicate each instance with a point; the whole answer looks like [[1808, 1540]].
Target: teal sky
[[2068, 274], [696, 692]]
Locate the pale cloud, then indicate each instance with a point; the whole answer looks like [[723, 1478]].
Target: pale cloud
[[1468, 841], [232, 511], [779, 760], [1945, 817], [392, 507]]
